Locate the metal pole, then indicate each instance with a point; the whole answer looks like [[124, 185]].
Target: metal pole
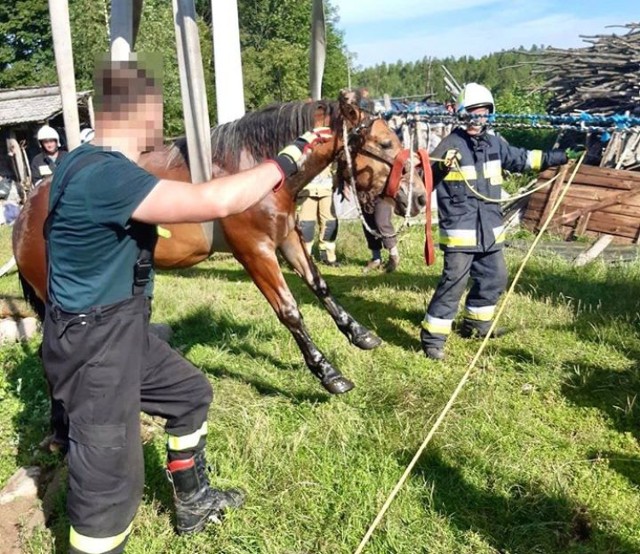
[[61, 32], [227, 59], [194, 95]]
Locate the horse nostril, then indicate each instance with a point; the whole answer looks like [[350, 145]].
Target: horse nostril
[[422, 201]]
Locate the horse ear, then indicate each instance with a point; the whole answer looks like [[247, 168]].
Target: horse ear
[[349, 105]]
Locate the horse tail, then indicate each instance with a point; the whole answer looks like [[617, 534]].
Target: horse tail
[[31, 297]]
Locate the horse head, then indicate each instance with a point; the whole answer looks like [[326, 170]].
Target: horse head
[[373, 159]]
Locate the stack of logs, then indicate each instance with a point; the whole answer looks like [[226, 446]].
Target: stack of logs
[[599, 201], [603, 78]]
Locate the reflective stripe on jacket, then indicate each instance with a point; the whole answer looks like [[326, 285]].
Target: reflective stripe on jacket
[[468, 223]]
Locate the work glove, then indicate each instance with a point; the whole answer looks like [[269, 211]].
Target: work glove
[[450, 156], [291, 157], [553, 157]]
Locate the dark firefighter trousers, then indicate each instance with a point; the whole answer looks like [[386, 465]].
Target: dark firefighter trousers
[[489, 275], [105, 368], [380, 220]]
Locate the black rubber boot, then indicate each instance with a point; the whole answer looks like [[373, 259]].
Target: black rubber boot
[[434, 353], [373, 265], [196, 502], [469, 330], [430, 351], [392, 264], [324, 259]]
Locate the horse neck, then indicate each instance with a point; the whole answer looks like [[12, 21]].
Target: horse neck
[[318, 160]]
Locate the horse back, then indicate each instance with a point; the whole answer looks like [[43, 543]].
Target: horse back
[[28, 240]]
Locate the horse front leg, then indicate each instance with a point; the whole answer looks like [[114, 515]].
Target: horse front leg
[[262, 266], [293, 250]]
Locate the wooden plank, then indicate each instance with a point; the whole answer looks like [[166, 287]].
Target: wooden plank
[[553, 195], [619, 225], [582, 224], [614, 174], [605, 182], [615, 199], [627, 208], [592, 253]]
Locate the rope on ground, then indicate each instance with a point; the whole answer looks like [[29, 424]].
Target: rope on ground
[[470, 368]]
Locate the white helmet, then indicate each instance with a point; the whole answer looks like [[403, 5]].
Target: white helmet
[[86, 135], [474, 95], [48, 133]]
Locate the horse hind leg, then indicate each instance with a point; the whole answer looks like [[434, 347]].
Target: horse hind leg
[[293, 250], [31, 297], [264, 270]]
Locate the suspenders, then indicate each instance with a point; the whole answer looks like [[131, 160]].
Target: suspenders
[[146, 234]]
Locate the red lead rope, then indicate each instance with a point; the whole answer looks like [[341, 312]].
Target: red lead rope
[[394, 184]]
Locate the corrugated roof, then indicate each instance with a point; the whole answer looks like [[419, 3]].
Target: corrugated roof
[[31, 104]]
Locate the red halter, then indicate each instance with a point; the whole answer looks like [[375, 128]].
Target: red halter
[[394, 185]]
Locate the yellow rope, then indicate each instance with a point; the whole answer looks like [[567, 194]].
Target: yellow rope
[[467, 373], [498, 200]]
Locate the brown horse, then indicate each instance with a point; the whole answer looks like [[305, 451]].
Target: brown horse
[[255, 236]]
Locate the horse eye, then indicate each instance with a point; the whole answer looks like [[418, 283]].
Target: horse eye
[[388, 143]]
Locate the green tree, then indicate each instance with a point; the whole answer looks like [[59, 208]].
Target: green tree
[[274, 34], [25, 44], [275, 39]]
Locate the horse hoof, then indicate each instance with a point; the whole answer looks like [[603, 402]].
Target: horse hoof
[[338, 385], [367, 341]]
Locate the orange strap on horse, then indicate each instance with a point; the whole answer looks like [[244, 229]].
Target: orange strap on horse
[[429, 250], [394, 184], [396, 173]]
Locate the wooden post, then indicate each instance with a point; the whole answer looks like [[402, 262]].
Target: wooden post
[[594, 251], [227, 60], [61, 32], [581, 224]]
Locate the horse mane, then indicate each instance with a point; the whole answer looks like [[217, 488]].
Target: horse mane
[[260, 134]]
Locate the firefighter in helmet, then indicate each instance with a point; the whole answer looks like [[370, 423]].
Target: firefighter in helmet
[[45, 163], [471, 161]]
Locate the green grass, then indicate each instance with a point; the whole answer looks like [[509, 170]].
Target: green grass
[[540, 453]]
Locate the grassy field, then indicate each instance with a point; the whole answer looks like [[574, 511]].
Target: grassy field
[[539, 455]]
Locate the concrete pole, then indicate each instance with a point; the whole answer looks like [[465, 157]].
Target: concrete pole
[[227, 59], [61, 32], [92, 113], [194, 94], [121, 30], [318, 50]]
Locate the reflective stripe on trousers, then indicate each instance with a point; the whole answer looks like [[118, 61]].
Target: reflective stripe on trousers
[[106, 367], [489, 275]]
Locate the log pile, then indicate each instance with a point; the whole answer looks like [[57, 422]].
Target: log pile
[[603, 78], [599, 201]]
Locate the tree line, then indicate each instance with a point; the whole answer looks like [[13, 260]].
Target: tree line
[[274, 36]]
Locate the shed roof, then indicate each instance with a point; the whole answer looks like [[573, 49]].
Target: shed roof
[[35, 104]]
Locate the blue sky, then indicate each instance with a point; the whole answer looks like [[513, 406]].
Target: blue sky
[[389, 30]]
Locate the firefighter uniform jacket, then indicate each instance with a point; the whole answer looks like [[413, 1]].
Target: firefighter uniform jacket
[[468, 223]]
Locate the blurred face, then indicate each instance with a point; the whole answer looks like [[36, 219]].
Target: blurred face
[[50, 146], [141, 120], [150, 114], [479, 119]]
